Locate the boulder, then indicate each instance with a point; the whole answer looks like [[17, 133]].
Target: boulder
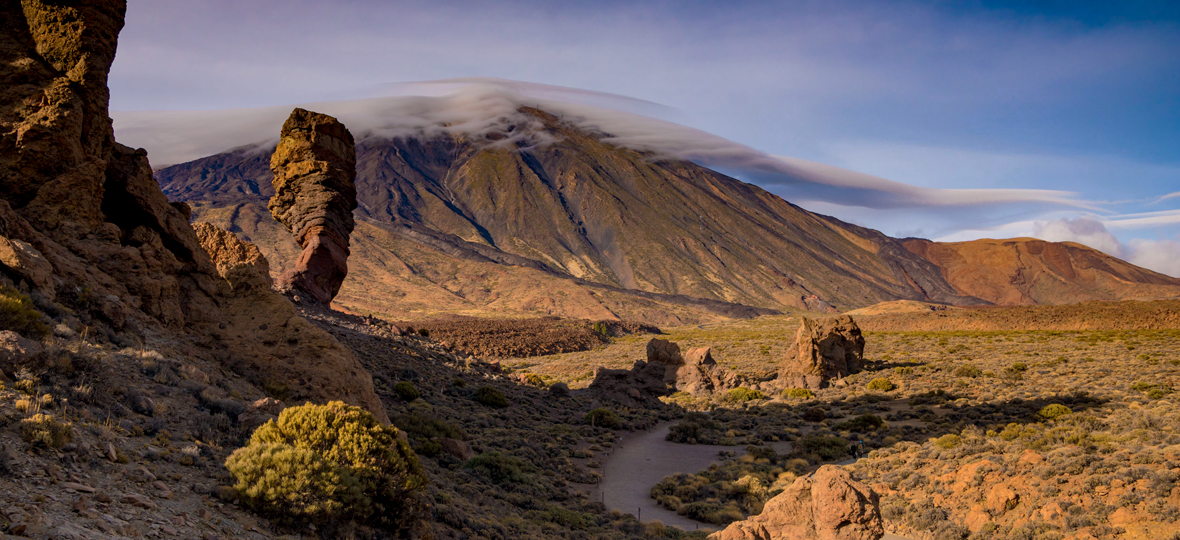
[[827, 505], [22, 259], [15, 351], [240, 263], [701, 374], [642, 384], [314, 168], [664, 352], [824, 349]]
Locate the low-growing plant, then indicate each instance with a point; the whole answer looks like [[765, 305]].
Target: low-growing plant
[[862, 423], [1054, 410], [603, 417], [327, 464], [498, 468], [826, 447], [491, 397], [45, 430], [406, 391], [968, 370], [798, 393], [742, 394], [17, 313], [948, 441], [880, 384]]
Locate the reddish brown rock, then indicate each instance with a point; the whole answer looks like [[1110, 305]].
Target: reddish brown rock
[[664, 351], [828, 505], [824, 349], [701, 374], [314, 169]]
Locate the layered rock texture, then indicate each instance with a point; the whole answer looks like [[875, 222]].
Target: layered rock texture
[[84, 224], [314, 168], [827, 505], [824, 349]]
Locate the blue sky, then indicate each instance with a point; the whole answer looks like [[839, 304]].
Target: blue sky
[[1072, 96]]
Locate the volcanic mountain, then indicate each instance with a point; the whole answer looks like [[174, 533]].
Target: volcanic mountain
[[541, 215]]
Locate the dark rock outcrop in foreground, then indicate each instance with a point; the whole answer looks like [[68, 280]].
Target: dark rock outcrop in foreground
[[85, 226], [827, 505], [314, 170], [824, 349]]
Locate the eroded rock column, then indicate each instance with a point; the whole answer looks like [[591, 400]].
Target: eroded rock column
[[314, 170]]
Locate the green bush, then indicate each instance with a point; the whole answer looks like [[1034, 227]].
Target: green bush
[[948, 441], [967, 370], [695, 428], [880, 384], [421, 425], [491, 397], [45, 430], [498, 468], [1054, 410], [327, 464], [18, 314], [405, 391], [798, 393], [1020, 366], [603, 417], [742, 394], [815, 414]]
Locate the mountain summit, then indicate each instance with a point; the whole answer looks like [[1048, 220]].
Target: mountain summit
[[564, 202]]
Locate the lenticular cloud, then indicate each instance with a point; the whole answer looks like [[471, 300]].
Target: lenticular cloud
[[478, 106]]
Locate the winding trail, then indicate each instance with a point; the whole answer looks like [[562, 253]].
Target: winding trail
[[640, 460]]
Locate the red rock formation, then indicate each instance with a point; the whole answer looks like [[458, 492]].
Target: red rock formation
[[828, 505], [314, 169], [824, 349], [84, 224]]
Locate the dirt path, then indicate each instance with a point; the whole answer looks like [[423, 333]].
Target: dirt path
[[640, 460]]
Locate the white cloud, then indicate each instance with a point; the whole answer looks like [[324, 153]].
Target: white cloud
[[1163, 256], [1083, 230]]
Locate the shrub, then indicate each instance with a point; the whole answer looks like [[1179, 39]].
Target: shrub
[[491, 397], [18, 314], [1054, 410], [326, 464], [826, 447], [815, 414], [424, 332], [880, 384], [798, 393], [948, 441], [45, 430], [695, 428], [1020, 366], [967, 370], [862, 423], [420, 425], [742, 394], [405, 391], [603, 417], [498, 468]]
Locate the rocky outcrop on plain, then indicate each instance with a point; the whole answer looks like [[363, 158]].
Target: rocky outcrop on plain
[[701, 374], [84, 225], [824, 349], [827, 505], [666, 370], [314, 168]]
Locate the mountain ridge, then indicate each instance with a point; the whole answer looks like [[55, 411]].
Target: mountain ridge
[[545, 194]]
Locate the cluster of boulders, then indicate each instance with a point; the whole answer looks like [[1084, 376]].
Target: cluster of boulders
[[824, 350], [826, 505]]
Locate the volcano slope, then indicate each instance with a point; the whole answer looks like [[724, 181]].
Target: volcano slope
[[543, 217], [539, 216]]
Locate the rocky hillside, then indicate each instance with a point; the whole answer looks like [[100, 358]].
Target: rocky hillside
[[1027, 271], [558, 202], [541, 217]]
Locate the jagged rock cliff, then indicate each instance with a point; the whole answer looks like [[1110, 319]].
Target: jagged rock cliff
[[88, 228]]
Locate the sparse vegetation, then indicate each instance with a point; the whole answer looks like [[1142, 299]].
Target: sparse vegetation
[[798, 393], [17, 313], [490, 396], [325, 463], [603, 417]]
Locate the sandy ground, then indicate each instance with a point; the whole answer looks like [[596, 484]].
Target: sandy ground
[[640, 460]]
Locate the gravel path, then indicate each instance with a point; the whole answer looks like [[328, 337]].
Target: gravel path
[[640, 460]]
